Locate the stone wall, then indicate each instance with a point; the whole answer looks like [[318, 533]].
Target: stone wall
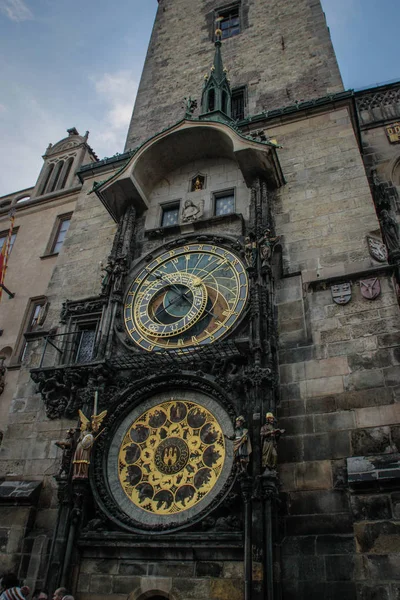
[[325, 209], [119, 579], [298, 61], [339, 398]]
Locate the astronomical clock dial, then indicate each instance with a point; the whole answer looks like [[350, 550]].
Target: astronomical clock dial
[[192, 295], [169, 461], [171, 457]]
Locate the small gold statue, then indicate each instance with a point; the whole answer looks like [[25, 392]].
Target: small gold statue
[[87, 438]]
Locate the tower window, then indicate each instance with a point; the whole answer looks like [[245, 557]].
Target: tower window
[[224, 203], [238, 103], [59, 232], [170, 214], [33, 318], [229, 21]]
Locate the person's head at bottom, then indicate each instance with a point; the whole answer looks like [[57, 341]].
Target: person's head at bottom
[[60, 593]]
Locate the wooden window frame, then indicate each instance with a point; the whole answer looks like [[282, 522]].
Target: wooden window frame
[[226, 13]]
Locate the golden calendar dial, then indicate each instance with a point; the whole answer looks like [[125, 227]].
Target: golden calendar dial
[[171, 457], [189, 296]]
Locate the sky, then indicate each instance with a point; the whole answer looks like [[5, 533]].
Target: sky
[[78, 64]]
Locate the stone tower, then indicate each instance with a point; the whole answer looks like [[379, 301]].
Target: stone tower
[[277, 56], [224, 395]]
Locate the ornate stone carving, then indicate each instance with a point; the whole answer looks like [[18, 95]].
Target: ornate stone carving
[[65, 391], [81, 307], [191, 211], [390, 231], [377, 249]]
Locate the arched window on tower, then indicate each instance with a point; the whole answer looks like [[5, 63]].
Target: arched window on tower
[[66, 172], [46, 180], [57, 173], [211, 100], [224, 102]]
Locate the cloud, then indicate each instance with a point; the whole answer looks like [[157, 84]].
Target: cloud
[[117, 91], [16, 10], [26, 130]]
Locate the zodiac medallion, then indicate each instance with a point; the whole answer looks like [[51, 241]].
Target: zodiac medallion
[[171, 457]]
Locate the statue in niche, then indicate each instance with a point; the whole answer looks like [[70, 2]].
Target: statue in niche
[[88, 436], [107, 277], [390, 230], [198, 185], [266, 245], [250, 251], [270, 436], [191, 212], [119, 272], [66, 446], [241, 445]]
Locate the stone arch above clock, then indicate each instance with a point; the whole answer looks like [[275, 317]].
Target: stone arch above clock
[[186, 142]]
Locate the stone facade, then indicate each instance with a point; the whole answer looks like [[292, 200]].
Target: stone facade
[[328, 365]]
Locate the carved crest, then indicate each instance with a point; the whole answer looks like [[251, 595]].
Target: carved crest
[[341, 293], [377, 249], [393, 132], [370, 288]]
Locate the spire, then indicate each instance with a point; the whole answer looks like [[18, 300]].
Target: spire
[[216, 98]]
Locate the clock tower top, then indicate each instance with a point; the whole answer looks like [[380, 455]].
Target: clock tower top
[[277, 53]]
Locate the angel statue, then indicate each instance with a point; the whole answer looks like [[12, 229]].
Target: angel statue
[[241, 445], [89, 434]]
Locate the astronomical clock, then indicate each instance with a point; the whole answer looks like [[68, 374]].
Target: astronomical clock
[[170, 460], [192, 295]]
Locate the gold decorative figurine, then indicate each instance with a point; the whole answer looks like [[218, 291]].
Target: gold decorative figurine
[[89, 434]]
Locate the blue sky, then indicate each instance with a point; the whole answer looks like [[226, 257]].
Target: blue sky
[[78, 63]]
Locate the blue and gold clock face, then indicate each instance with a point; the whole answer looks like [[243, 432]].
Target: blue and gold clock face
[[189, 296]]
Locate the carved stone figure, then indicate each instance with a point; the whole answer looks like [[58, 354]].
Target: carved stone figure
[[67, 447], [86, 441], [54, 393], [390, 230], [269, 438], [191, 212], [266, 246], [107, 278], [119, 272], [379, 191], [250, 251], [190, 107], [241, 445]]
